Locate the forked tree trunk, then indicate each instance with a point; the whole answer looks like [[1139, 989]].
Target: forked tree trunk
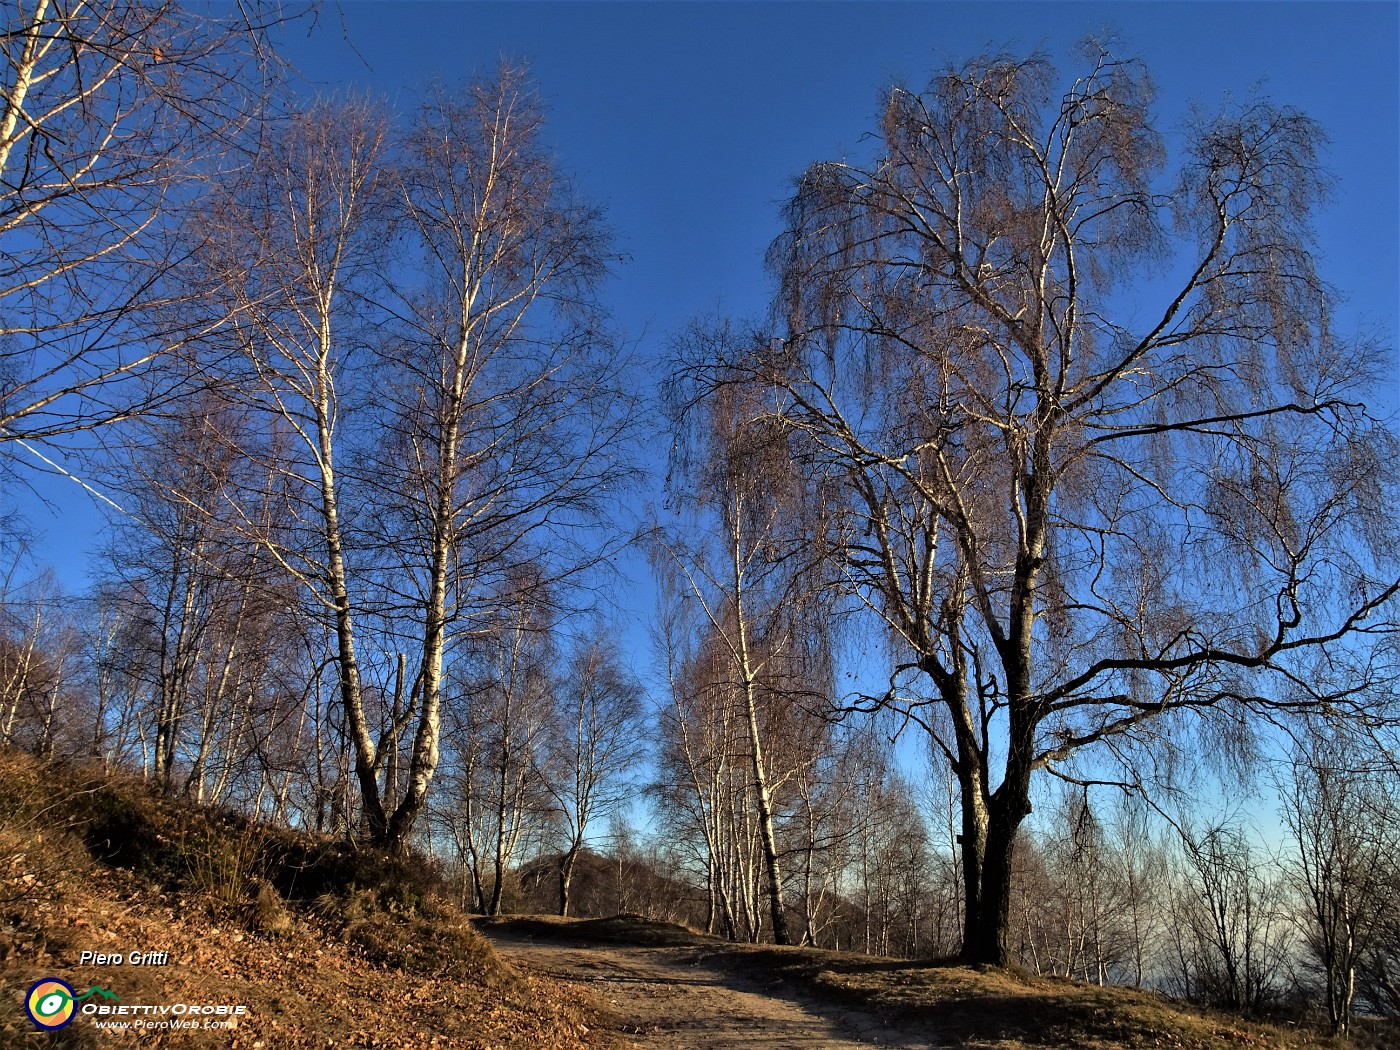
[[989, 913], [772, 866], [990, 828], [566, 876], [347, 663]]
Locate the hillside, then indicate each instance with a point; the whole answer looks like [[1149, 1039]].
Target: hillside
[[325, 946]]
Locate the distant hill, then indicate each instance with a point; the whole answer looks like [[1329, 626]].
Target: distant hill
[[604, 886]]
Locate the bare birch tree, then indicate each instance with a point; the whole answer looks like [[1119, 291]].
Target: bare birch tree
[[25, 614], [501, 405], [697, 749], [1104, 456], [1345, 822], [487, 413], [755, 580], [287, 246], [200, 615], [501, 726], [1228, 928], [39, 650], [594, 742]]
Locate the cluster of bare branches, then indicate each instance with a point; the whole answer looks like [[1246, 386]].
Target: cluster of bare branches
[[435, 284], [1089, 514], [113, 115], [375, 398]]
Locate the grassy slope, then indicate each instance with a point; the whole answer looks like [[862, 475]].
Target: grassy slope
[[328, 947], [358, 958]]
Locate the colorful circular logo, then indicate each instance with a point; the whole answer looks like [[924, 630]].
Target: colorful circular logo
[[50, 1003]]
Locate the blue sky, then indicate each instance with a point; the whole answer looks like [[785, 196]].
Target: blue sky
[[688, 121]]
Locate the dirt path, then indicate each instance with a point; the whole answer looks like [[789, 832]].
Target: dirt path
[[669, 997]]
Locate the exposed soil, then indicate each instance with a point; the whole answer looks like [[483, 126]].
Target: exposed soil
[[652, 984], [670, 996]]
